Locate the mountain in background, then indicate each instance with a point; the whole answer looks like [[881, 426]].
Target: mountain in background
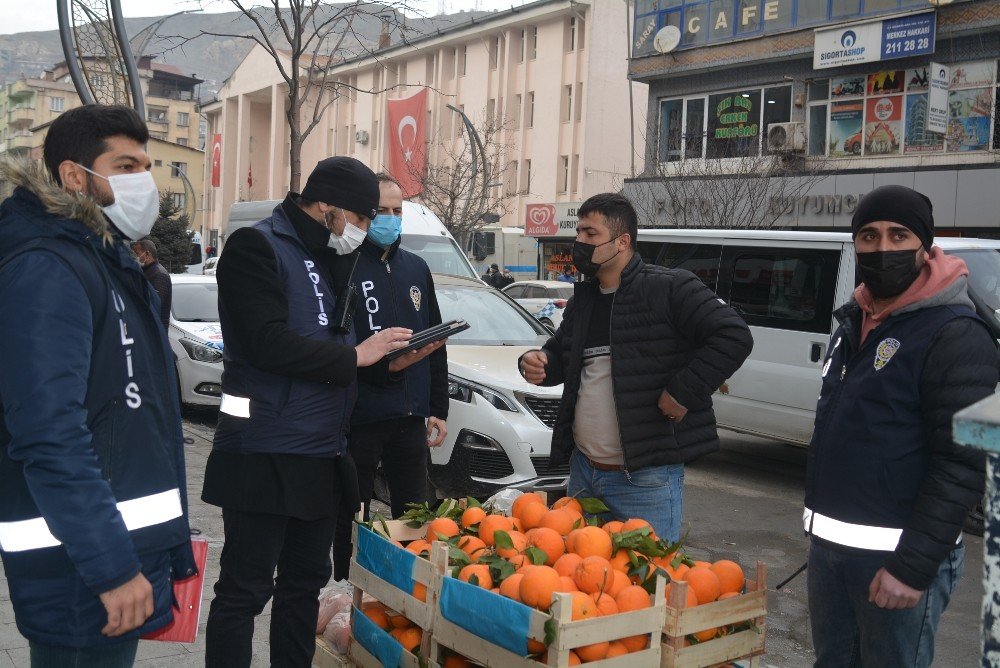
[[210, 58]]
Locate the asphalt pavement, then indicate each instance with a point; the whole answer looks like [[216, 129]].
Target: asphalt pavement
[[744, 503]]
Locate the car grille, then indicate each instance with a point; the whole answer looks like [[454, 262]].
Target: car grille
[[542, 467], [544, 408], [489, 464]]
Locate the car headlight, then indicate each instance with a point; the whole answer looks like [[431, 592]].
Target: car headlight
[[200, 352], [462, 390]]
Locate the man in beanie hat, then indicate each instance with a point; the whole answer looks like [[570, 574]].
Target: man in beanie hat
[[887, 490], [278, 466]]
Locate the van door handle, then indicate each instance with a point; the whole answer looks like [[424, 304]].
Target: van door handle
[[816, 353]]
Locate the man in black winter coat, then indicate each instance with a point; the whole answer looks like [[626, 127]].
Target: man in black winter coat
[[887, 489], [158, 277], [640, 350]]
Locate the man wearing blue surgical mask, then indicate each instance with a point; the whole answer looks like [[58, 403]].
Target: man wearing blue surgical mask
[[399, 413]]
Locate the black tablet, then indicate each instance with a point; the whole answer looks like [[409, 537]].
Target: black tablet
[[430, 335]]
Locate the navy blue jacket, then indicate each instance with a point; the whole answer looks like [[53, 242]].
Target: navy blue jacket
[[395, 289], [287, 415], [882, 453], [92, 484]]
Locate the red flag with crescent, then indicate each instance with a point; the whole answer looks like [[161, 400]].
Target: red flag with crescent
[[216, 161], [407, 133]]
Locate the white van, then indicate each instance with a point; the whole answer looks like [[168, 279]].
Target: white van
[[423, 234], [786, 286]]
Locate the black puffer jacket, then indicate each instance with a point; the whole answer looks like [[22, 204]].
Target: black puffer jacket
[[668, 332]]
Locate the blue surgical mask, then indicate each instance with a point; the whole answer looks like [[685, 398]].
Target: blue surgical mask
[[385, 229]]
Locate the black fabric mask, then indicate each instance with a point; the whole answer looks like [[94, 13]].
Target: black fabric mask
[[583, 257], [888, 273]]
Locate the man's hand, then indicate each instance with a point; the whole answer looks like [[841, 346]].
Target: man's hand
[[415, 356], [437, 429], [887, 592], [128, 605], [533, 366], [670, 408], [377, 346]]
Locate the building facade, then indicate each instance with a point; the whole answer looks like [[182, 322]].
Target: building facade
[[871, 92], [553, 71]]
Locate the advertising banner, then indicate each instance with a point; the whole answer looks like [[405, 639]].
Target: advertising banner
[[969, 120], [937, 103], [900, 37], [845, 128], [216, 161], [920, 138], [883, 121], [556, 219]]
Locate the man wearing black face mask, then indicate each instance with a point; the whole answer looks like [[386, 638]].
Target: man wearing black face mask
[[887, 489], [640, 349]]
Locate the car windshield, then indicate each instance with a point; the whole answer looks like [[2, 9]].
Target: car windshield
[[561, 292], [984, 280], [441, 254], [494, 320], [195, 302]]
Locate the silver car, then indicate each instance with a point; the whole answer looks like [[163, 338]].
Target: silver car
[[196, 338]]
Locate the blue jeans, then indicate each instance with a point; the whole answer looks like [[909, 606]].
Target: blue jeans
[[119, 655], [849, 631], [654, 493]]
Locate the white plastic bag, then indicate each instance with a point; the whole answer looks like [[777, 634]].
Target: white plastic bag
[[332, 601], [338, 631], [503, 501]]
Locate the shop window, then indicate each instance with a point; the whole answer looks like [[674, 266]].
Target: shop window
[[819, 90], [918, 139], [694, 128], [817, 129], [969, 114], [643, 7], [671, 115], [721, 22], [702, 260], [776, 15], [696, 24], [777, 106], [880, 5], [811, 11], [734, 124], [747, 16]]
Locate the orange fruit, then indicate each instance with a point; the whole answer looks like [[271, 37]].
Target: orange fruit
[[548, 541], [515, 524], [535, 647], [472, 515], [456, 661], [567, 584], [531, 515], [705, 584], [618, 582], [418, 546], [491, 524], [400, 622], [635, 523], [635, 643], [584, 607], [679, 573], [409, 638], [524, 500], [614, 526], [520, 542], [691, 600], [632, 598], [538, 585], [509, 587], [707, 634], [592, 541], [728, 594], [561, 521], [566, 564], [518, 560], [731, 578], [620, 560], [482, 573], [441, 528], [703, 564], [419, 591], [568, 502], [617, 648], [605, 604], [574, 660], [378, 616], [472, 546], [593, 652], [594, 573]]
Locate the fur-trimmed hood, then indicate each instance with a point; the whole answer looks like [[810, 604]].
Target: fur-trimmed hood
[[46, 203]]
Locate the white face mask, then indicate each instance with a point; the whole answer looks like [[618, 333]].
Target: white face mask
[[348, 242], [136, 205]]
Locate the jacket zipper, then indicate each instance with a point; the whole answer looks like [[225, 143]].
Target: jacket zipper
[[395, 309], [611, 358]]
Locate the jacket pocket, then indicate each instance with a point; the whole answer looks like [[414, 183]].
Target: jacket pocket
[[104, 435]]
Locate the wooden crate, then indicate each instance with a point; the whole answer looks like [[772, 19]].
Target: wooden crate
[[326, 657], [680, 622], [448, 633]]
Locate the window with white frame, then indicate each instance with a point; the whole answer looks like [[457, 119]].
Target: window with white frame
[[56, 104], [567, 103], [529, 118], [563, 173]]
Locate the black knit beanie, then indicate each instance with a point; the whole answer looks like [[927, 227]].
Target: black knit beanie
[[897, 204], [346, 183]]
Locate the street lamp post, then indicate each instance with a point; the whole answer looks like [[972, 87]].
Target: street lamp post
[[475, 144]]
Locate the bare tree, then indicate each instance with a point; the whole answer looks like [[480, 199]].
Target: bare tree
[[306, 38], [467, 193]]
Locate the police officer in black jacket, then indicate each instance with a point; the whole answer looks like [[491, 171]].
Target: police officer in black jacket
[[887, 489], [278, 466], [399, 413]]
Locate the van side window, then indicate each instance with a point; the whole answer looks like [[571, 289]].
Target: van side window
[[516, 292], [782, 288], [702, 260]]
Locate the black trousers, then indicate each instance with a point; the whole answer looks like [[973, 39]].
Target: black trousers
[[401, 445], [257, 544]]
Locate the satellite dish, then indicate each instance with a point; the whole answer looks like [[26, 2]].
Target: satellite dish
[[667, 39], [938, 3]]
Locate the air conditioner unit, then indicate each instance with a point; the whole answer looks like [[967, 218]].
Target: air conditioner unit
[[361, 136], [786, 137]]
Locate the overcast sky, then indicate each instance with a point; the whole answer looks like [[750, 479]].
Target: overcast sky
[[42, 14]]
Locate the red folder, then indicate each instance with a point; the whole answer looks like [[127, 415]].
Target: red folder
[[187, 601]]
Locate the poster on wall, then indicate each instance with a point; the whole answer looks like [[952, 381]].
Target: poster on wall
[[969, 120], [918, 79], [733, 124], [851, 86], [882, 83], [967, 75], [883, 121], [845, 128], [919, 139]]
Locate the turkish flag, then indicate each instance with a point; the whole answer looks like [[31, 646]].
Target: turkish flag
[[216, 161], [407, 131]]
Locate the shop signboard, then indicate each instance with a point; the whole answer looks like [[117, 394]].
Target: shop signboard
[[937, 103], [899, 37], [556, 219]]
